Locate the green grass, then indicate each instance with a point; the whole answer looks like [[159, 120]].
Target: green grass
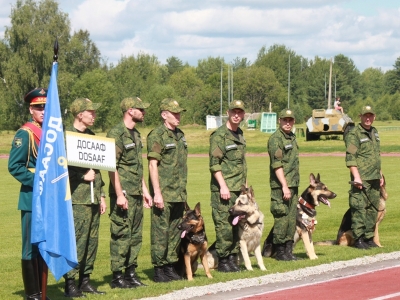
[[333, 173]]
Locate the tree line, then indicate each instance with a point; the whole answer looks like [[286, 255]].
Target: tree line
[[26, 55]]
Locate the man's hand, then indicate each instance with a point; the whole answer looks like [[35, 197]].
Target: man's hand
[[225, 193], [89, 176], [286, 193], [147, 200], [159, 201], [122, 202]]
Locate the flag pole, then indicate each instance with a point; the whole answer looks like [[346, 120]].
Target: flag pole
[[45, 269]]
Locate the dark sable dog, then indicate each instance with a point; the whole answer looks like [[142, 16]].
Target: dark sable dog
[[345, 235], [317, 192], [193, 243]]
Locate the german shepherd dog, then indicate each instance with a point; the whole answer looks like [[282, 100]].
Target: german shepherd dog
[[345, 235], [193, 243], [250, 219], [317, 192]]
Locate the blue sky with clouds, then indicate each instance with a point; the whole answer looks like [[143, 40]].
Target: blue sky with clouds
[[366, 31]]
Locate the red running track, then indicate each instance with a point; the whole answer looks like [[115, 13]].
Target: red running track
[[377, 285]]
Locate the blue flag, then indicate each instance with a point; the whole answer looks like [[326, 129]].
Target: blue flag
[[52, 217]]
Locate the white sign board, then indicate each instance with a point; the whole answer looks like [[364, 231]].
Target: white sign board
[[90, 151]]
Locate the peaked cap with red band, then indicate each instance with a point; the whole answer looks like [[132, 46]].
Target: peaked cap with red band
[[36, 97]]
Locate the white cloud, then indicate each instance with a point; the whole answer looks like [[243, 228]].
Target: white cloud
[[365, 31]]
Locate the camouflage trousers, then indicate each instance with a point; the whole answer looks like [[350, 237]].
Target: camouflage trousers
[[126, 232], [165, 235], [227, 236], [87, 222], [364, 211], [284, 213]]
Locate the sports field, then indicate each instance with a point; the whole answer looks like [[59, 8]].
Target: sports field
[[331, 168]]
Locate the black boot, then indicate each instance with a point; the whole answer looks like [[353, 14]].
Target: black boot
[[30, 278], [131, 277], [86, 287], [170, 272], [224, 265], [71, 290], [119, 282], [289, 250], [281, 252], [159, 275], [360, 244], [233, 263], [370, 243]]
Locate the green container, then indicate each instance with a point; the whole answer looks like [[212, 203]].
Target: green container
[[252, 124]]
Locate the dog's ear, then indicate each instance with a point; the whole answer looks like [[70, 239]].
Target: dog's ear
[[243, 189], [317, 180], [312, 179], [186, 206], [197, 210], [251, 192]]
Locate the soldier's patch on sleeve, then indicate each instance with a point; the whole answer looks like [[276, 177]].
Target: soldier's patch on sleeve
[[352, 149], [278, 154], [217, 153], [17, 142], [156, 148]]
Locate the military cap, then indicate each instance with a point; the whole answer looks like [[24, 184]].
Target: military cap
[[134, 102], [81, 104], [171, 105], [367, 110], [286, 113], [36, 97], [237, 104]]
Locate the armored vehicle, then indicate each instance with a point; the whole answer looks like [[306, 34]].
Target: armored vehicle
[[327, 121]]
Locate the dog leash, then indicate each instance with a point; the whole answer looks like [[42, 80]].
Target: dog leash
[[364, 189]]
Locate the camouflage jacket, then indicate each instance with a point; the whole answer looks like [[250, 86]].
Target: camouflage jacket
[[128, 152], [283, 152], [228, 155], [363, 152], [21, 165], [80, 188], [171, 152]]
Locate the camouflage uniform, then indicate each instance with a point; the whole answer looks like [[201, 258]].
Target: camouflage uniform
[[228, 155], [86, 215], [283, 152], [169, 148], [126, 225], [363, 151]]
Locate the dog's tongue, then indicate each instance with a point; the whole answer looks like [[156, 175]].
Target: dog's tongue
[[328, 203], [183, 234], [235, 220]]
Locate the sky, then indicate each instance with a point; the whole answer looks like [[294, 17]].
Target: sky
[[366, 31]]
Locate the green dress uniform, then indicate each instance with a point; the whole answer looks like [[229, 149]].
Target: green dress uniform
[[86, 215], [169, 148], [227, 154], [283, 152], [126, 225], [21, 165], [363, 152]]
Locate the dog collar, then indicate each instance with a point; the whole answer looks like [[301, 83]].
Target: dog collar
[[305, 203]]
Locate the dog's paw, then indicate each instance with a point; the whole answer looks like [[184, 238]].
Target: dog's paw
[[313, 257], [263, 268]]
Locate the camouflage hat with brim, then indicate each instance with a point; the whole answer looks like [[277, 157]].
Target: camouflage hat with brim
[[171, 105], [236, 104], [81, 104], [286, 113], [36, 97], [367, 110], [134, 102]]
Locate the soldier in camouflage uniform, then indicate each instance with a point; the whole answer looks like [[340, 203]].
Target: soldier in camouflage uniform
[[284, 182], [86, 213], [21, 165], [167, 155], [128, 195], [364, 161], [228, 173]]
